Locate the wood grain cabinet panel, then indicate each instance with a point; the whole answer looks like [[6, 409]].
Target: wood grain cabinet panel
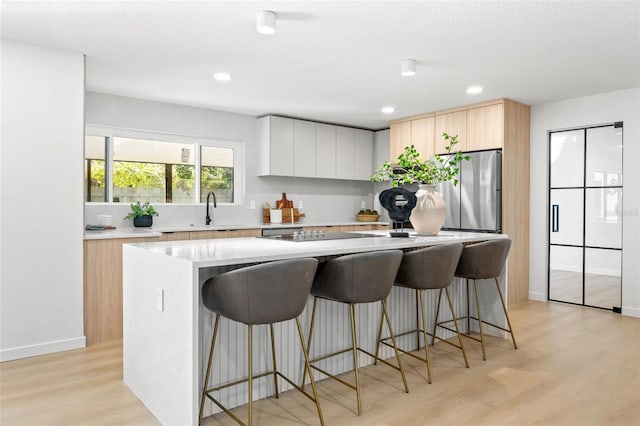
[[400, 136], [423, 136], [485, 127], [454, 123], [237, 233], [207, 235], [102, 288]]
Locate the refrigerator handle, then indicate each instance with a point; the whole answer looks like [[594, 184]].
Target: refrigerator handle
[[555, 218]]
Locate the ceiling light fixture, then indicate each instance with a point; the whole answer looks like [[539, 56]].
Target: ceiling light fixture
[[266, 22], [408, 67], [222, 76], [474, 90], [388, 109]]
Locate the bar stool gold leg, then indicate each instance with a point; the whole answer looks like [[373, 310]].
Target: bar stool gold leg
[[250, 383], [426, 336], [417, 321], [206, 377], [375, 359], [455, 321], [273, 355], [307, 368], [313, 319], [352, 314], [475, 286], [435, 321], [395, 347], [504, 307], [468, 309]]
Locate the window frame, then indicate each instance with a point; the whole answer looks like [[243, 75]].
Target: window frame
[[109, 133]]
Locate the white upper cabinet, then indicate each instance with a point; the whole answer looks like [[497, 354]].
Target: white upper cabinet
[[345, 153], [304, 148], [276, 134], [363, 157], [290, 147], [326, 135]]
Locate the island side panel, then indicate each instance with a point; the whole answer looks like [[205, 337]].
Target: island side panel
[[160, 344]]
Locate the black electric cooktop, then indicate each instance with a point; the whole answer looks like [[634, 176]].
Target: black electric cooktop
[[318, 236]]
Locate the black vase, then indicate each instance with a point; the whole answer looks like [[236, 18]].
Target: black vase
[[143, 221]]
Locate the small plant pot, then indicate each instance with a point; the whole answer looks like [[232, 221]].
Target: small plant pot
[[143, 221]]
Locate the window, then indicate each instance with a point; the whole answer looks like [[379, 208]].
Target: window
[[159, 168], [94, 168], [216, 173]]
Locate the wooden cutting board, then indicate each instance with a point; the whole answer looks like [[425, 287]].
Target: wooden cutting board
[[284, 203]]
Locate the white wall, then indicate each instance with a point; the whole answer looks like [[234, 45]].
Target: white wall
[[324, 200], [623, 106], [41, 231]]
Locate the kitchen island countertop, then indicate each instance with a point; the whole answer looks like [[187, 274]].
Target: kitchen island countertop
[[166, 327]]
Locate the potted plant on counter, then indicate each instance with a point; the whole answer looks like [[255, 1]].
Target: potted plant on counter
[[430, 211], [142, 214]]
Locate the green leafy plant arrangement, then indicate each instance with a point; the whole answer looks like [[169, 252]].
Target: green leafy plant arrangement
[[412, 168], [139, 210]]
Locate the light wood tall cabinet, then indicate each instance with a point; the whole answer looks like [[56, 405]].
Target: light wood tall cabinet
[[504, 124]]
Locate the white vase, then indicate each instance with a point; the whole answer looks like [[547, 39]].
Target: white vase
[[430, 211]]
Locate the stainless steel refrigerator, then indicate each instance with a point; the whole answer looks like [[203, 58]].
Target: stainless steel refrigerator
[[475, 204]]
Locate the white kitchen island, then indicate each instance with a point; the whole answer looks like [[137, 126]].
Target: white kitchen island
[[167, 329]]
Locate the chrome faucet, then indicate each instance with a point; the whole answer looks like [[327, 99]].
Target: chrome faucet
[[207, 219]]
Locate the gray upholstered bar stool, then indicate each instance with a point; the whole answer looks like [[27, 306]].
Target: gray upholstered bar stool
[[262, 294], [355, 279], [479, 261], [431, 268]]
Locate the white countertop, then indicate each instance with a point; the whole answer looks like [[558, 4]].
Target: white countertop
[[233, 251], [130, 232]]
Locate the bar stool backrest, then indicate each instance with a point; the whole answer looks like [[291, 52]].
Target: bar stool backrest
[[262, 294], [358, 278], [483, 260], [429, 268]]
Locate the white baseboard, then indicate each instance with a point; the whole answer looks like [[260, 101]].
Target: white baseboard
[[42, 349], [631, 312], [539, 297]]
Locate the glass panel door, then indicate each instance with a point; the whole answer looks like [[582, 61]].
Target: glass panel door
[[585, 216]]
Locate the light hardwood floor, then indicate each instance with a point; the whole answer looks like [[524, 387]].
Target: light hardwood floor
[[575, 366]]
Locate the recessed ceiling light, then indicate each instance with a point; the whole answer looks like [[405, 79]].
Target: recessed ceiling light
[[266, 22], [388, 109], [408, 67], [222, 76], [474, 90]]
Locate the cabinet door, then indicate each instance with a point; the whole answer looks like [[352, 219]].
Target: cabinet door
[[174, 236], [363, 157], [485, 127], [237, 233], [326, 150], [304, 150], [281, 146], [207, 235], [454, 123], [422, 136], [400, 136], [345, 152]]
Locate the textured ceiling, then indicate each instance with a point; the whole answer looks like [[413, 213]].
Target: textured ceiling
[[339, 61]]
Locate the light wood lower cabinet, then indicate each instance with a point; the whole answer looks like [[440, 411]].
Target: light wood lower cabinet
[[102, 289]]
